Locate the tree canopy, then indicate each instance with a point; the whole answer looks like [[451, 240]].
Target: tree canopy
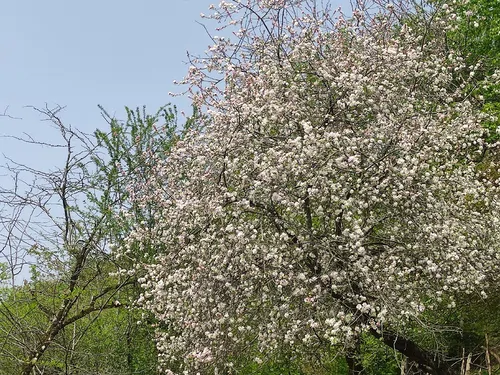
[[340, 188]]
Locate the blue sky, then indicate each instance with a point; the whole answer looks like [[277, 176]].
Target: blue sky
[[82, 53]]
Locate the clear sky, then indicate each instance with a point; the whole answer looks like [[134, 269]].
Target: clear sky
[[82, 53]]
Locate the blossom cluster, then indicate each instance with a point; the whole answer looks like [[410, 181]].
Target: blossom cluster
[[337, 188]]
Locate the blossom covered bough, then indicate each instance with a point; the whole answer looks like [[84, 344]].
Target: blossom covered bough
[[334, 190]]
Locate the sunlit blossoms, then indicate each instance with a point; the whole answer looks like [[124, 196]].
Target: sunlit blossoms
[[340, 186]]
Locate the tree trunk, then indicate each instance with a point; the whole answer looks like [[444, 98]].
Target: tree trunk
[[427, 361], [354, 365], [353, 359]]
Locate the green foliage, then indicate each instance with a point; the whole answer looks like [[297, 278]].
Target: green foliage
[[130, 149], [477, 318], [127, 154], [477, 38], [4, 274], [478, 34], [290, 364], [111, 344], [377, 358], [108, 342]]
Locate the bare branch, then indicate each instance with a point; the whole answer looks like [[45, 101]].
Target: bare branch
[[5, 114]]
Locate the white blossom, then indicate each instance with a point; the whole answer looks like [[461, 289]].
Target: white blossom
[[331, 192]]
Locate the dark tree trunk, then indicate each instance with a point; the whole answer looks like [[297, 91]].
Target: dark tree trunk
[[427, 361], [354, 365], [353, 359]]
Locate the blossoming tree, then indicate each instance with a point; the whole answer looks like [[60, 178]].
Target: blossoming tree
[[333, 192]]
